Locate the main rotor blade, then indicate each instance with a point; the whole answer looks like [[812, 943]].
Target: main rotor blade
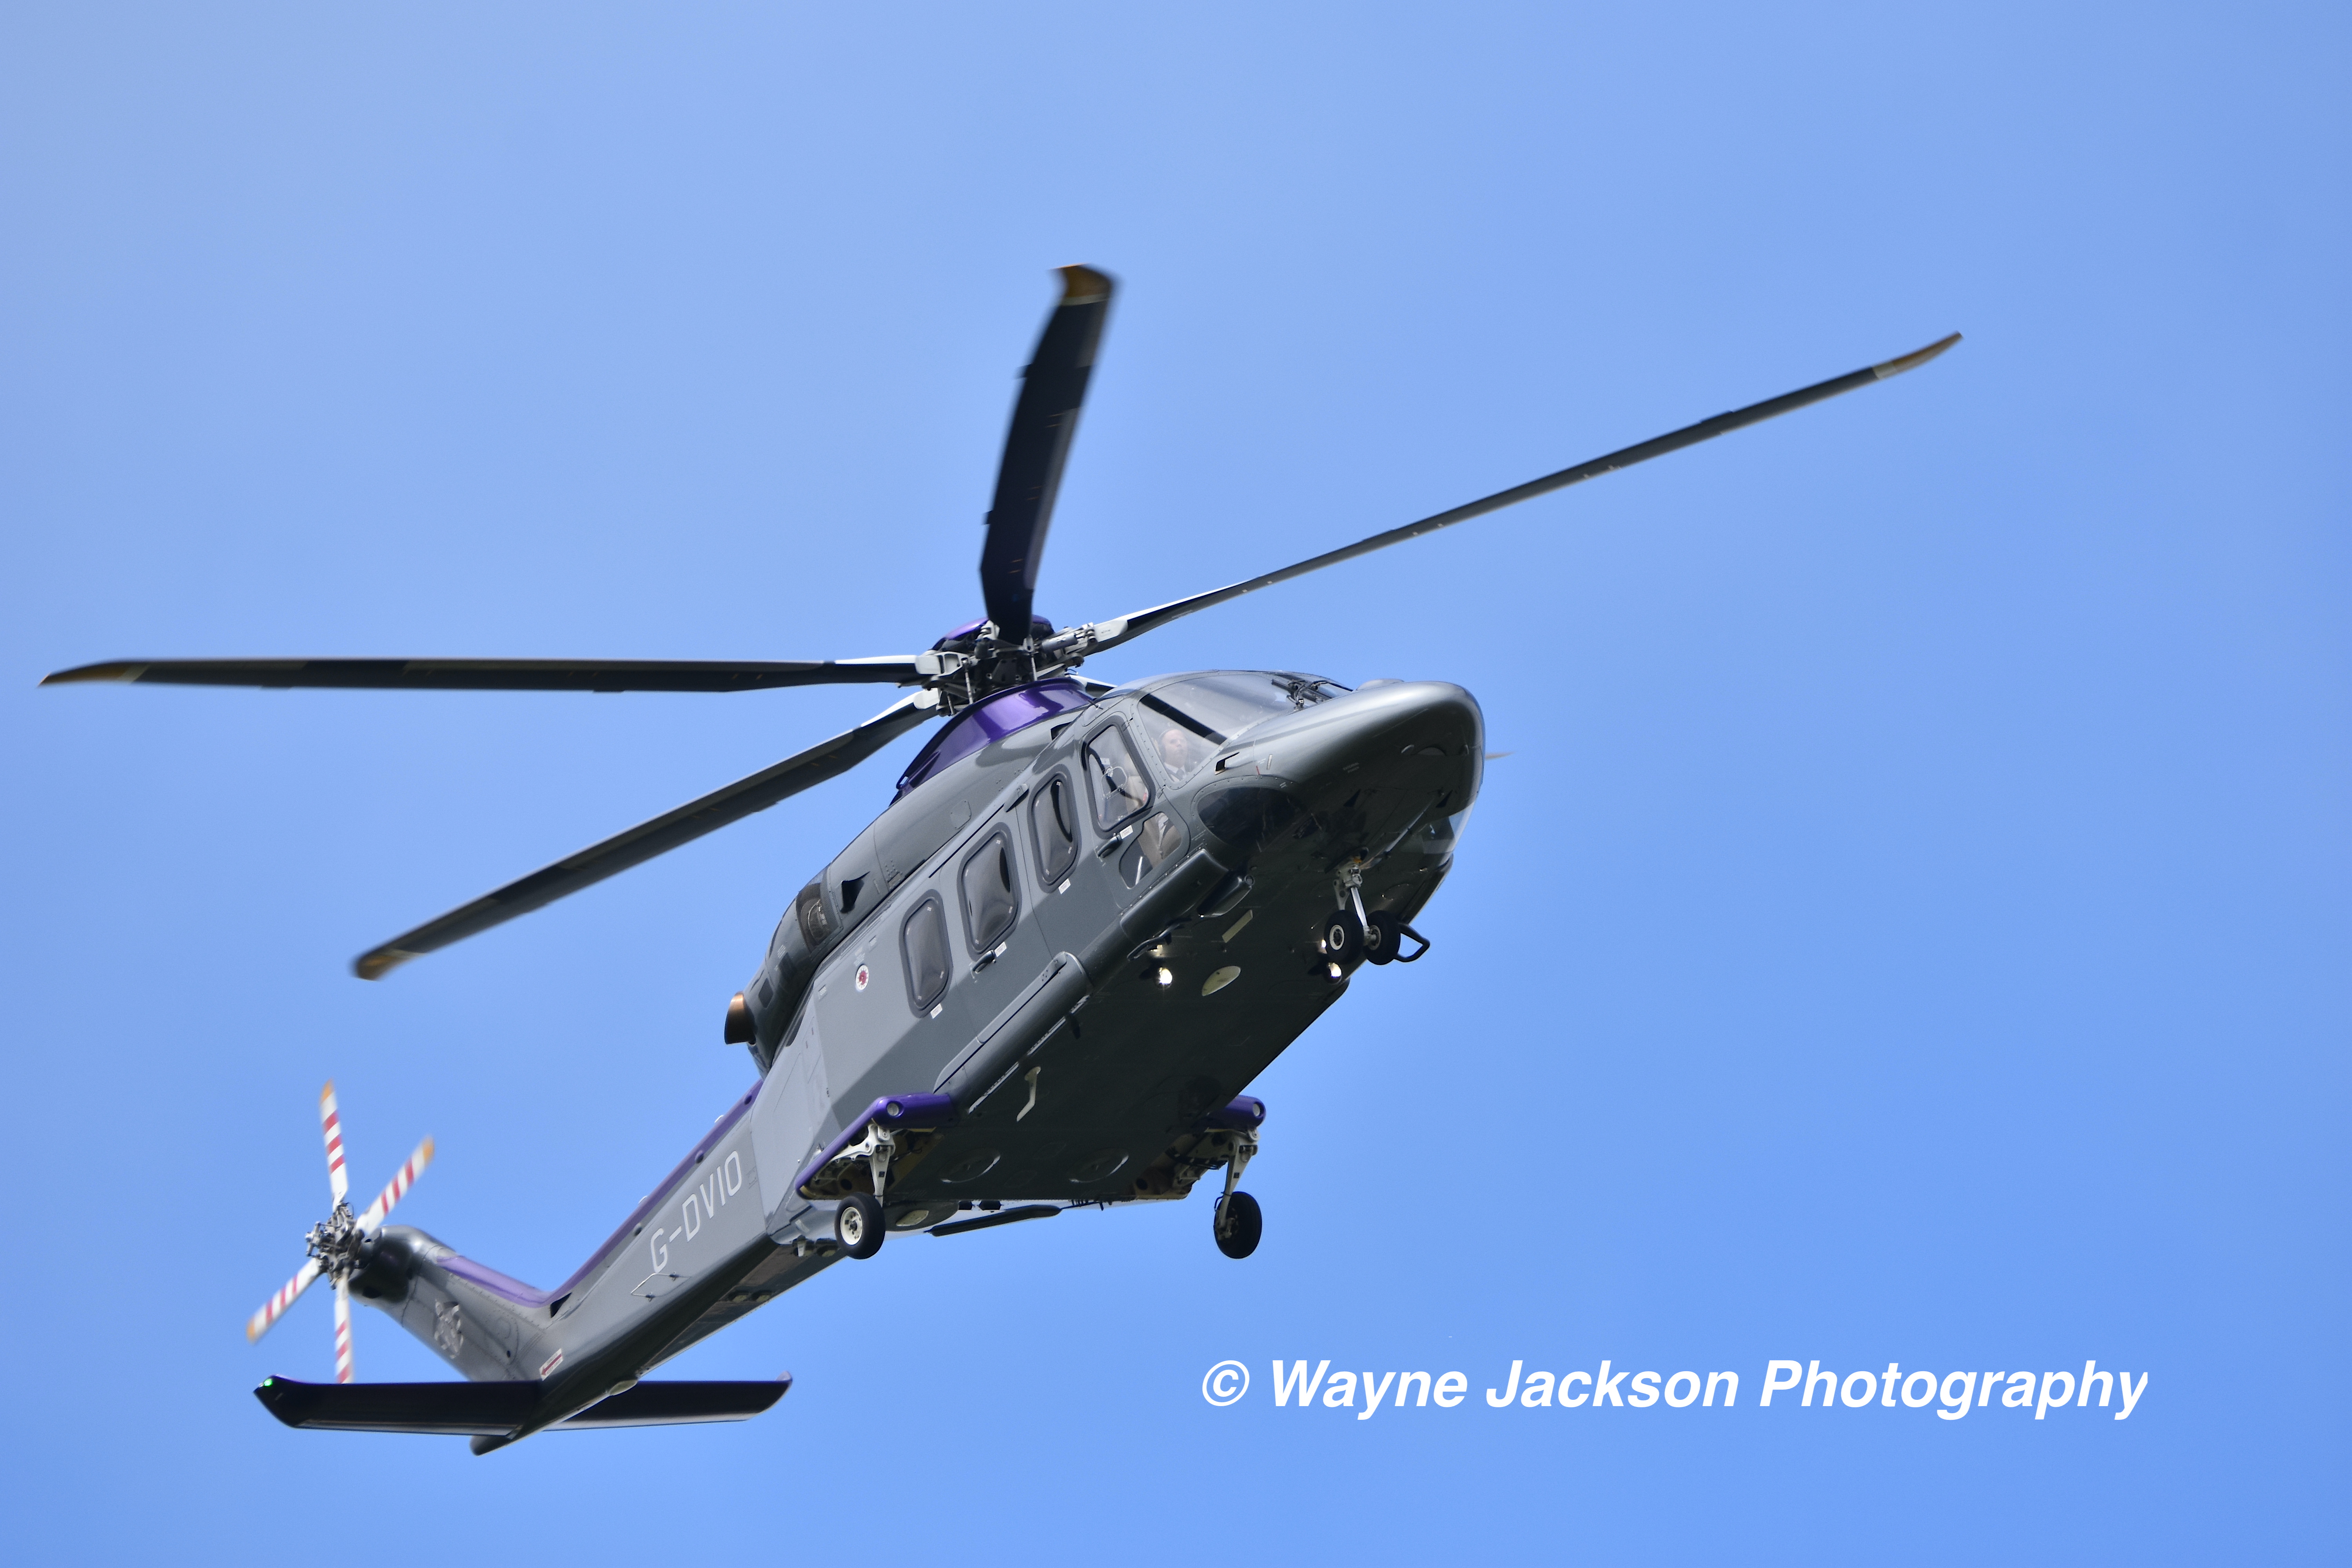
[[1111, 634], [648, 839], [502, 674], [1053, 389]]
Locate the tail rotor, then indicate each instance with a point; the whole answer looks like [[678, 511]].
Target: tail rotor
[[342, 1244]]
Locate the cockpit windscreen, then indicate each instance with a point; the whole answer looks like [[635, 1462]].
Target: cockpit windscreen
[[1187, 720]]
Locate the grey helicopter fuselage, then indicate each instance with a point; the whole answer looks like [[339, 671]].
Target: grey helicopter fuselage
[[1045, 974]]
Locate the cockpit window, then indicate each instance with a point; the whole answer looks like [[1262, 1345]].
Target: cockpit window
[[1160, 836], [1115, 778], [1187, 720], [1181, 741]]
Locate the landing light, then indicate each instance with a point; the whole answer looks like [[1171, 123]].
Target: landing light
[[1166, 978]]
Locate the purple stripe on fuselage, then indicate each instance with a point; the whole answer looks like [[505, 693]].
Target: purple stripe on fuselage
[[496, 1283], [991, 720], [522, 1295]]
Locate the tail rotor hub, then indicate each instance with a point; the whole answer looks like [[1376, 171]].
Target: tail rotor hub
[[339, 1245], [342, 1244]]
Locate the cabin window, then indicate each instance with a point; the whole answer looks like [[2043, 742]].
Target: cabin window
[[1054, 817], [816, 920], [990, 903], [924, 943], [1115, 778], [1160, 836]]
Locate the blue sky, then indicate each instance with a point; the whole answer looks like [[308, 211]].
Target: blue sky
[[1910, 926]]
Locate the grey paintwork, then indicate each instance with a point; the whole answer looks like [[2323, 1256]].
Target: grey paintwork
[[1080, 1074]]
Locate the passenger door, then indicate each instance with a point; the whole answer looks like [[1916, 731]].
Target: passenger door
[[993, 918]]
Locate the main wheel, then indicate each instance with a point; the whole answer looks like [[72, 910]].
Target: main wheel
[[1238, 1225], [857, 1226], [1383, 937], [1343, 938]]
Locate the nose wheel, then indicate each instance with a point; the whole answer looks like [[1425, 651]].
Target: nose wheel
[[1238, 1225], [1385, 935], [1351, 935], [1343, 939]]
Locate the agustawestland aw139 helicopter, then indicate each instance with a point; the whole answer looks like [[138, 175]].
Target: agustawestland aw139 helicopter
[[1088, 919]]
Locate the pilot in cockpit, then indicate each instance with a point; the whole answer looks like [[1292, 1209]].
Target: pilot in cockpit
[[1181, 750]]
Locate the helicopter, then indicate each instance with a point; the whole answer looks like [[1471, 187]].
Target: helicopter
[[1042, 978]]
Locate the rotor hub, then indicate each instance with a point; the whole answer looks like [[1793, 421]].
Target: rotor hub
[[339, 1244], [977, 660]]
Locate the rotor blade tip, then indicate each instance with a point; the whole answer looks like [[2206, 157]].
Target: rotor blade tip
[[1083, 285], [1914, 360], [115, 671], [328, 1092], [381, 961], [426, 1158]]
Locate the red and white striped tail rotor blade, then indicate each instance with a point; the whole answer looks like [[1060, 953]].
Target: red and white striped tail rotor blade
[[332, 1124], [259, 1324], [397, 1188], [342, 1331]]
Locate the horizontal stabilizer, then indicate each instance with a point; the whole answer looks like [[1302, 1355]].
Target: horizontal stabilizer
[[495, 1409]]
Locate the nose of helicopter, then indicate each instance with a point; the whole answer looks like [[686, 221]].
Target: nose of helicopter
[[1415, 736]]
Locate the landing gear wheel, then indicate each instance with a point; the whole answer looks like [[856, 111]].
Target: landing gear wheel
[[1238, 1225], [1384, 943], [857, 1226], [1343, 938]]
